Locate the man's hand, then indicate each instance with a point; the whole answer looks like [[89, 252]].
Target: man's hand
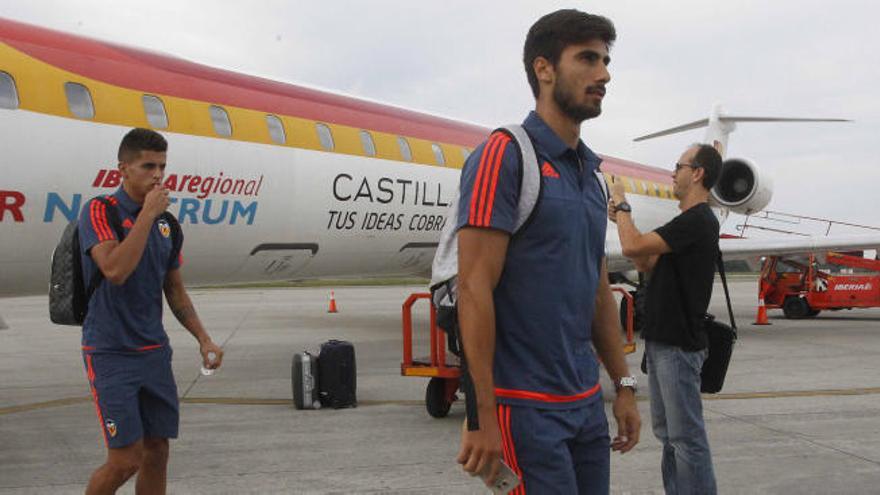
[[481, 449], [612, 213], [629, 423], [618, 190], [156, 202], [208, 347]]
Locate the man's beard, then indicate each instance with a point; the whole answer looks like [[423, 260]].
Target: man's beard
[[578, 113]]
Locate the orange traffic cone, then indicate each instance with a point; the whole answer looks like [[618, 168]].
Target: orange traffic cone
[[761, 318], [332, 308]]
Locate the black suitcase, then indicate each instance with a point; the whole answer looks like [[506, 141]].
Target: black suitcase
[[304, 377], [337, 375]]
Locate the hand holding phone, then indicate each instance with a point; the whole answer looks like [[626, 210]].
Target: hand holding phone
[[505, 482]]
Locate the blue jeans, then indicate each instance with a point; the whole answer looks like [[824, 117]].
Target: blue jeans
[[677, 419]]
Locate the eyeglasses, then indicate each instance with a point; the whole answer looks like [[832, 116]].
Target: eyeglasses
[[679, 166]]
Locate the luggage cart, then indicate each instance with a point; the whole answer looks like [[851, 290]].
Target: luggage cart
[[444, 369]]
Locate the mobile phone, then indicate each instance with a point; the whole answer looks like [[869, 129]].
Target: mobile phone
[[505, 482]]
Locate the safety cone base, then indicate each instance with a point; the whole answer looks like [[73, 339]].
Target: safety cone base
[[761, 317]]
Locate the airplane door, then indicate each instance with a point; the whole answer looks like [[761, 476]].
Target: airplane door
[[277, 261], [414, 257]]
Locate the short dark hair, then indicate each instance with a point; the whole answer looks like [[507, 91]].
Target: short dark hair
[[556, 30], [137, 140], [709, 160]]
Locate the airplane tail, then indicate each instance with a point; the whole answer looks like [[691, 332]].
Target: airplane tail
[[719, 126]]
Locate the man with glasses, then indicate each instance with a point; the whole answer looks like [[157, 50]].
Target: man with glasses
[[680, 257]]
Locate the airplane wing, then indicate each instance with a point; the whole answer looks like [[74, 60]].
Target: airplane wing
[[751, 248]]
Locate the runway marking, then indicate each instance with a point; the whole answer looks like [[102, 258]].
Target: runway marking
[[44, 405], [244, 401]]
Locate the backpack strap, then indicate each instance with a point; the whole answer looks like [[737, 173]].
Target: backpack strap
[[176, 235], [445, 264], [720, 264], [116, 224], [530, 185]]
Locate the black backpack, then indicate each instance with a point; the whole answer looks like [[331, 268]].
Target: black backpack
[[68, 294]]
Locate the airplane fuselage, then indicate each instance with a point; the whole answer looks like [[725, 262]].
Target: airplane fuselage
[[253, 207]]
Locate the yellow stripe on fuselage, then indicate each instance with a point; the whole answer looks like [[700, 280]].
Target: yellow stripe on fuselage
[[41, 89]]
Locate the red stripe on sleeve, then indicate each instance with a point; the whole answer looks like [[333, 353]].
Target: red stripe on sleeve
[[476, 191], [490, 202], [97, 225], [490, 164], [102, 217]]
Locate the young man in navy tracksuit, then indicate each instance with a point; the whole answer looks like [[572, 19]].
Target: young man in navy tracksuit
[[532, 305], [125, 348]]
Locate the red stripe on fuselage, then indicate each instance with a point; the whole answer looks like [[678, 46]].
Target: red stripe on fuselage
[[151, 72], [163, 74]]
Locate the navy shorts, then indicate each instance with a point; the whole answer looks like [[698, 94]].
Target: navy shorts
[[557, 450], [135, 395]]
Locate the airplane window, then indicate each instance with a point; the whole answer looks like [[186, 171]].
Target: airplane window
[[276, 129], [220, 119], [8, 93], [325, 136], [367, 141], [438, 154], [465, 153], [79, 100], [155, 110], [405, 151]]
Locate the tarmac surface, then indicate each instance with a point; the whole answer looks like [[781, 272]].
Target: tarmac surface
[[800, 412]]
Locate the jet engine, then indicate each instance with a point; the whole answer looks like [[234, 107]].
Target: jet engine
[[742, 187]]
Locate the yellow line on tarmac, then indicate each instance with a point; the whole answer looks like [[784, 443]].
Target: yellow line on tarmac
[[784, 394], [243, 401], [43, 405]]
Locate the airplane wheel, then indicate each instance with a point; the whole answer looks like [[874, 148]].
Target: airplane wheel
[[436, 400], [796, 308]]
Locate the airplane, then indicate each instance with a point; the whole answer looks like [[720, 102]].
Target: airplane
[[270, 180]]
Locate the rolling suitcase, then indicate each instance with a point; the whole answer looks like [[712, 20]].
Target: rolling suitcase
[[304, 377], [337, 375]]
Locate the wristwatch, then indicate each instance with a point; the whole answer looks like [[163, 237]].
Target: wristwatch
[[626, 382], [623, 206]]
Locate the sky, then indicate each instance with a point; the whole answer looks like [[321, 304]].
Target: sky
[[672, 62]]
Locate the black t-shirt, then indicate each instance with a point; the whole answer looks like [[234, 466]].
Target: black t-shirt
[[688, 271]]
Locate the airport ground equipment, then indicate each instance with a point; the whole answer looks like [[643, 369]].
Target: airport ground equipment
[[443, 367], [804, 286]]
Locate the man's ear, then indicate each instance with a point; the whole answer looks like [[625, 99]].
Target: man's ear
[[544, 70], [698, 175]]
